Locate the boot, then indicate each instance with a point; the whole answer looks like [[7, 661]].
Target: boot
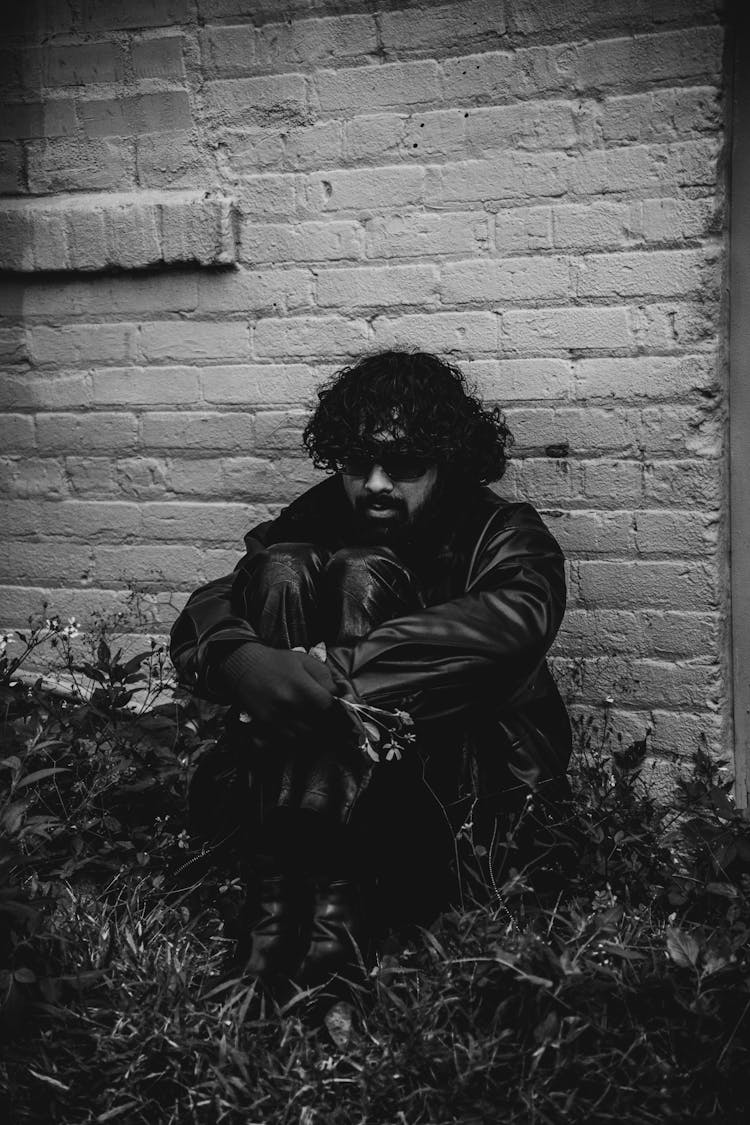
[[280, 931], [337, 934]]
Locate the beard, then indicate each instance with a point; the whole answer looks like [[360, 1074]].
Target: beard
[[406, 533]]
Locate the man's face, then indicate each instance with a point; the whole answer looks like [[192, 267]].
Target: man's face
[[388, 488]]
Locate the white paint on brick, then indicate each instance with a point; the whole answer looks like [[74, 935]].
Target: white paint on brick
[[536, 192]]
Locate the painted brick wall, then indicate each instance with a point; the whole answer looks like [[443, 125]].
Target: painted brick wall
[[535, 189]]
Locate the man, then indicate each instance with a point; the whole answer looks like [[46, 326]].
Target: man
[[431, 600]]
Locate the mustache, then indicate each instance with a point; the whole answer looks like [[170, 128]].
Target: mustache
[[368, 503]]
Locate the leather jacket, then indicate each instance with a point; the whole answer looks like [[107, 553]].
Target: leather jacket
[[469, 665]]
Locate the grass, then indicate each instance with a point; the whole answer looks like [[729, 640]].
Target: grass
[[606, 981]]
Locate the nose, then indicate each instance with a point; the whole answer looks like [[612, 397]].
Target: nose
[[378, 481]]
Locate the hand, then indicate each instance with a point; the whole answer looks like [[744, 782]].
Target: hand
[[287, 693]]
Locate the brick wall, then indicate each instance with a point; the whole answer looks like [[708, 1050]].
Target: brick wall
[[533, 189]]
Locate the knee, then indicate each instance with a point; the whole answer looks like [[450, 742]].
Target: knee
[[363, 570], [285, 562]]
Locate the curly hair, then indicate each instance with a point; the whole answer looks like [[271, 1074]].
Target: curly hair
[[417, 393]]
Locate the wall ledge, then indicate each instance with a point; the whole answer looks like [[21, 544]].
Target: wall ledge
[[116, 231]]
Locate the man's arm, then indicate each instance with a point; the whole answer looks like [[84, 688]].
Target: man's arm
[[480, 648]]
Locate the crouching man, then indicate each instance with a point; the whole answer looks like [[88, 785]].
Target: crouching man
[[382, 643]]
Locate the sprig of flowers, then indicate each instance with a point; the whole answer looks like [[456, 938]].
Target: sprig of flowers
[[381, 735]]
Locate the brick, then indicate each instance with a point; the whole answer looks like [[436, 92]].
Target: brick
[[528, 125], [187, 522], [305, 242], [417, 234], [660, 273], [86, 239], [324, 337], [255, 292], [256, 101], [633, 585], [260, 385], [266, 197], [63, 433], [11, 168], [73, 519], [434, 136], [79, 344], [46, 391], [82, 64], [20, 601], [443, 28], [60, 118], [610, 64], [577, 17], [30, 477], [682, 484], [377, 287], [369, 87], [464, 333], [160, 112], [111, 15], [164, 565], [555, 330], [133, 386], [183, 429], [270, 481], [144, 478], [513, 380], [592, 533], [49, 244], [254, 148], [35, 562], [375, 138], [679, 735], [172, 160], [91, 476], [158, 58], [646, 683], [280, 430], [313, 146], [662, 115], [671, 220], [334, 40], [198, 229], [16, 432], [22, 119], [228, 50], [651, 377], [665, 634], [133, 237], [193, 341], [676, 533], [122, 294], [64, 164], [363, 189], [13, 345], [515, 280]]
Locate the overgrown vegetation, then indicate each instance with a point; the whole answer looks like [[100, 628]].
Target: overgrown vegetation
[[606, 981]]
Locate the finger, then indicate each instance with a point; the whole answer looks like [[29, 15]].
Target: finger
[[319, 672]]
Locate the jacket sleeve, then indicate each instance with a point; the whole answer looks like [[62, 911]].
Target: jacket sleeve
[[211, 626], [481, 648]]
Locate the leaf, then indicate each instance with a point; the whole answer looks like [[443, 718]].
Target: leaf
[[24, 975], [103, 655], [682, 947], [13, 816], [338, 1021], [39, 775], [372, 731]]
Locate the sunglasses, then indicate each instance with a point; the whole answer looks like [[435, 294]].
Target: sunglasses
[[397, 466]]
